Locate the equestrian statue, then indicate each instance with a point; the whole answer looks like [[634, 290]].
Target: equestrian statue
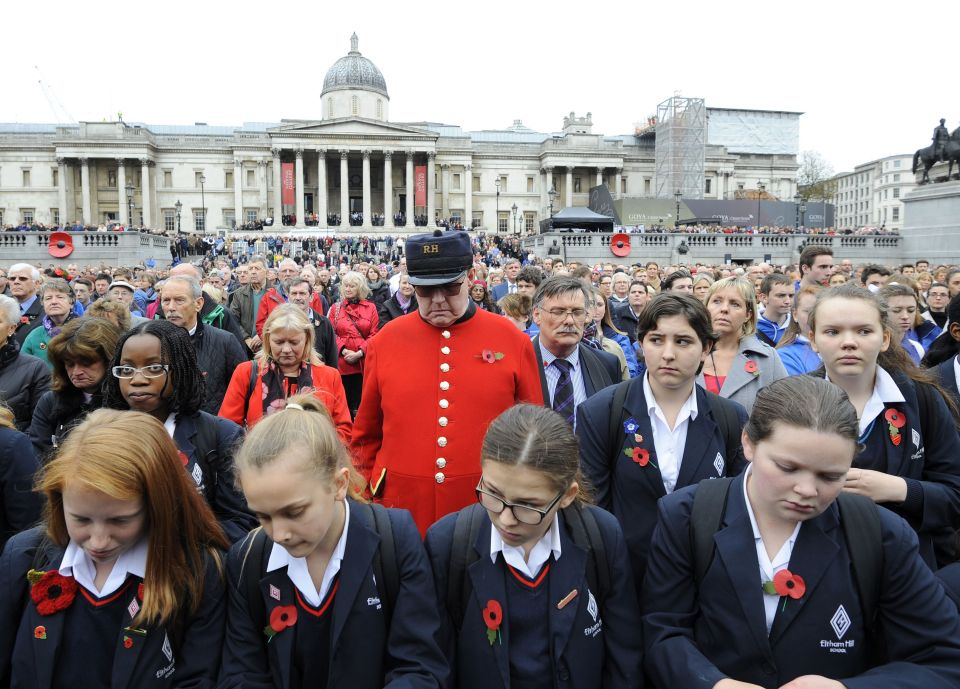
[[944, 149]]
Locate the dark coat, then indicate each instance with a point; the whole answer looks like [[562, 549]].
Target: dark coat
[[391, 309], [369, 652], [630, 491], [324, 338], [948, 379], [29, 321], [55, 416], [19, 505], [241, 307], [225, 321], [693, 641], [218, 354], [23, 380], [30, 663], [609, 659], [624, 320], [599, 369]]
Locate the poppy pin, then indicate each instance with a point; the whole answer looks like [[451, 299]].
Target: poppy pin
[[751, 367], [140, 591], [492, 617], [490, 356], [785, 584], [896, 420], [281, 617], [183, 458], [40, 632], [127, 642], [50, 591], [24, 319]]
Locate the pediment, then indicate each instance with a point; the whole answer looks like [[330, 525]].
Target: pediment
[[350, 126]]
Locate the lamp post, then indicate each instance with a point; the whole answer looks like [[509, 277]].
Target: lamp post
[[803, 215], [129, 190], [676, 221], [514, 209], [760, 189], [203, 202], [179, 207], [552, 194], [497, 218], [796, 202]]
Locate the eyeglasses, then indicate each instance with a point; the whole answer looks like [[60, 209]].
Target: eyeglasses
[[522, 513], [17, 278], [151, 371], [450, 289], [561, 314]]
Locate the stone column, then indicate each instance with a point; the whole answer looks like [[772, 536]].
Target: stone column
[[238, 215], [344, 190], [409, 208], [262, 201], [388, 189], [122, 192], [468, 197], [85, 190], [599, 177], [616, 184], [431, 191], [445, 181], [545, 191], [298, 190], [367, 215], [145, 193], [321, 187], [568, 192], [62, 190], [277, 190]]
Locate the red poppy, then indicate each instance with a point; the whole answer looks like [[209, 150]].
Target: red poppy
[[183, 458], [140, 591], [751, 367], [895, 418], [282, 616], [53, 592], [789, 584], [24, 319], [127, 642], [641, 456], [492, 615], [488, 356], [40, 632]]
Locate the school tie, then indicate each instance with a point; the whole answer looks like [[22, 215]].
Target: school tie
[[563, 393]]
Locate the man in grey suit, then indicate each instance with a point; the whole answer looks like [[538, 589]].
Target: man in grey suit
[[570, 371]]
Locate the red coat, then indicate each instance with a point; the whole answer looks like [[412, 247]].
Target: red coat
[[327, 387], [354, 325], [272, 299], [428, 397]]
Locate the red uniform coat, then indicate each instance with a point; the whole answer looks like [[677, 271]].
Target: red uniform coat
[[428, 397]]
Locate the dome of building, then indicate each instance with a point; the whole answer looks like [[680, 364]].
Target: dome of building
[[354, 71]]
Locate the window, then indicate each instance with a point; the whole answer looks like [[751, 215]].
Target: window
[[503, 184], [706, 185], [26, 214], [199, 220], [528, 221], [354, 105], [456, 181], [197, 177], [896, 163], [1, 216], [55, 176], [228, 217], [896, 213], [740, 187], [167, 178], [251, 214], [55, 215], [646, 186], [169, 220], [111, 178], [228, 181], [503, 221], [529, 184], [379, 109], [576, 185], [251, 178], [623, 185], [477, 219], [476, 182], [26, 178], [456, 217], [896, 177], [896, 192]]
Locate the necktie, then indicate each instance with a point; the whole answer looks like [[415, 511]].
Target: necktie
[[563, 394], [513, 288]]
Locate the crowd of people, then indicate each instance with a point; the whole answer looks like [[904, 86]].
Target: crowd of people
[[441, 462]]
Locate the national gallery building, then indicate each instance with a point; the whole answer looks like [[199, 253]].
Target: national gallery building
[[355, 170]]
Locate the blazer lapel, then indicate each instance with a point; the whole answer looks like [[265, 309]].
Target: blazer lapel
[[637, 410], [547, 402], [45, 650], [813, 553], [488, 584], [129, 643], [362, 543], [566, 576], [280, 645], [738, 376], [697, 461]]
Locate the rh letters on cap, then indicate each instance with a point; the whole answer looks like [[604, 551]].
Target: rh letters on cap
[[431, 248]]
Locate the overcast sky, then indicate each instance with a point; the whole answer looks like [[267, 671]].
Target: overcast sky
[[870, 79]]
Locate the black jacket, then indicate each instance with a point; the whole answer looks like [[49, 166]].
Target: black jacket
[[55, 416], [29, 321], [23, 380], [19, 505], [391, 309], [624, 320], [218, 353]]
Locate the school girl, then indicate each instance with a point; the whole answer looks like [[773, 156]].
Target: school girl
[[154, 370], [910, 461], [120, 586], [943, 357], [331, 592], [536, 585], [757, 583]]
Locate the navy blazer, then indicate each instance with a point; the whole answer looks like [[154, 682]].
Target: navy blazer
[[631, 491], [948, 379], [697, 635], [599, 370], [30, 663], [582, 658], [367, 653], [20, 506], [226, 501], [499, 291]]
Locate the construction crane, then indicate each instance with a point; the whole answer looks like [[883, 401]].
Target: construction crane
[[56, 107]]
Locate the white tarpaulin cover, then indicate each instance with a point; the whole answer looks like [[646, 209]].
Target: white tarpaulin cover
[[754, 131]]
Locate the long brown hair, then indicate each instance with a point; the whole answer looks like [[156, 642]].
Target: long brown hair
[[83, 339], [182, 531]]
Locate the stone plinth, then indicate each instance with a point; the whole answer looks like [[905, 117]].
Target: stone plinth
[[89, 248], [931, 225]]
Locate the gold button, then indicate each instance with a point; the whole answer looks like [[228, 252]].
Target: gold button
[[441, 441], [443, 420], [440, 477], [445, 334], [444, 385], [444, 367], [441, 463], [444, 350], [444, 404]]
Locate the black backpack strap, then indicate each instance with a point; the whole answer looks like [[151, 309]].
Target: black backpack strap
[[709, 504], [861, 531], [385, 558], [729, 424], [617, 417], [253, 382], [253, 566], [208, 441], [585, 532], [466, 529]]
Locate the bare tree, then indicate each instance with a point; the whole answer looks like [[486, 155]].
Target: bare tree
[[815, 177]]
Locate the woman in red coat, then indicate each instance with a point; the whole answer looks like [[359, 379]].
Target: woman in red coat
[[355, 321], [286, 365]]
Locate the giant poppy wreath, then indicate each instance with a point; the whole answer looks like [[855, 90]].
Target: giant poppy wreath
[[281, 617], [492, 617], [638, 455], [51, 591], [786, 584], [896, 420]]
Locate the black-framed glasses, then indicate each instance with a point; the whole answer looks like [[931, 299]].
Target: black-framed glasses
[[522, 513], [451, 289], [151, 371]]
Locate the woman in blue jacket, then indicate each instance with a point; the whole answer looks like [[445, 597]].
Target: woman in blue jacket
[[768, 595], [121, 584], [331, 592], [528, 602]]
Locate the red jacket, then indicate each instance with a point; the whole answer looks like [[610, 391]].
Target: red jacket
[[428, 396], [327, 387], [272, 299], [354, 325]]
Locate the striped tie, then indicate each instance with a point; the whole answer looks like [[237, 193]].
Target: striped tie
[[563, 394]]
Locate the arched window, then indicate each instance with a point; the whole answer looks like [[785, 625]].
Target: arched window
[[379, 109], [355, 104]]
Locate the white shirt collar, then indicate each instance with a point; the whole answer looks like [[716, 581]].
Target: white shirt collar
[[77, 563], [171, 423], [297, 566], [885, 391], [689, 407], [548, 356], [956, 369], [548, 544]]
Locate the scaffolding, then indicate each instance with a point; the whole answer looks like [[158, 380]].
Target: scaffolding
[[681, 143]]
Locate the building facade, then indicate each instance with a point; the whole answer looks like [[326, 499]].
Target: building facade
[[354, 163], [870, 195]]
